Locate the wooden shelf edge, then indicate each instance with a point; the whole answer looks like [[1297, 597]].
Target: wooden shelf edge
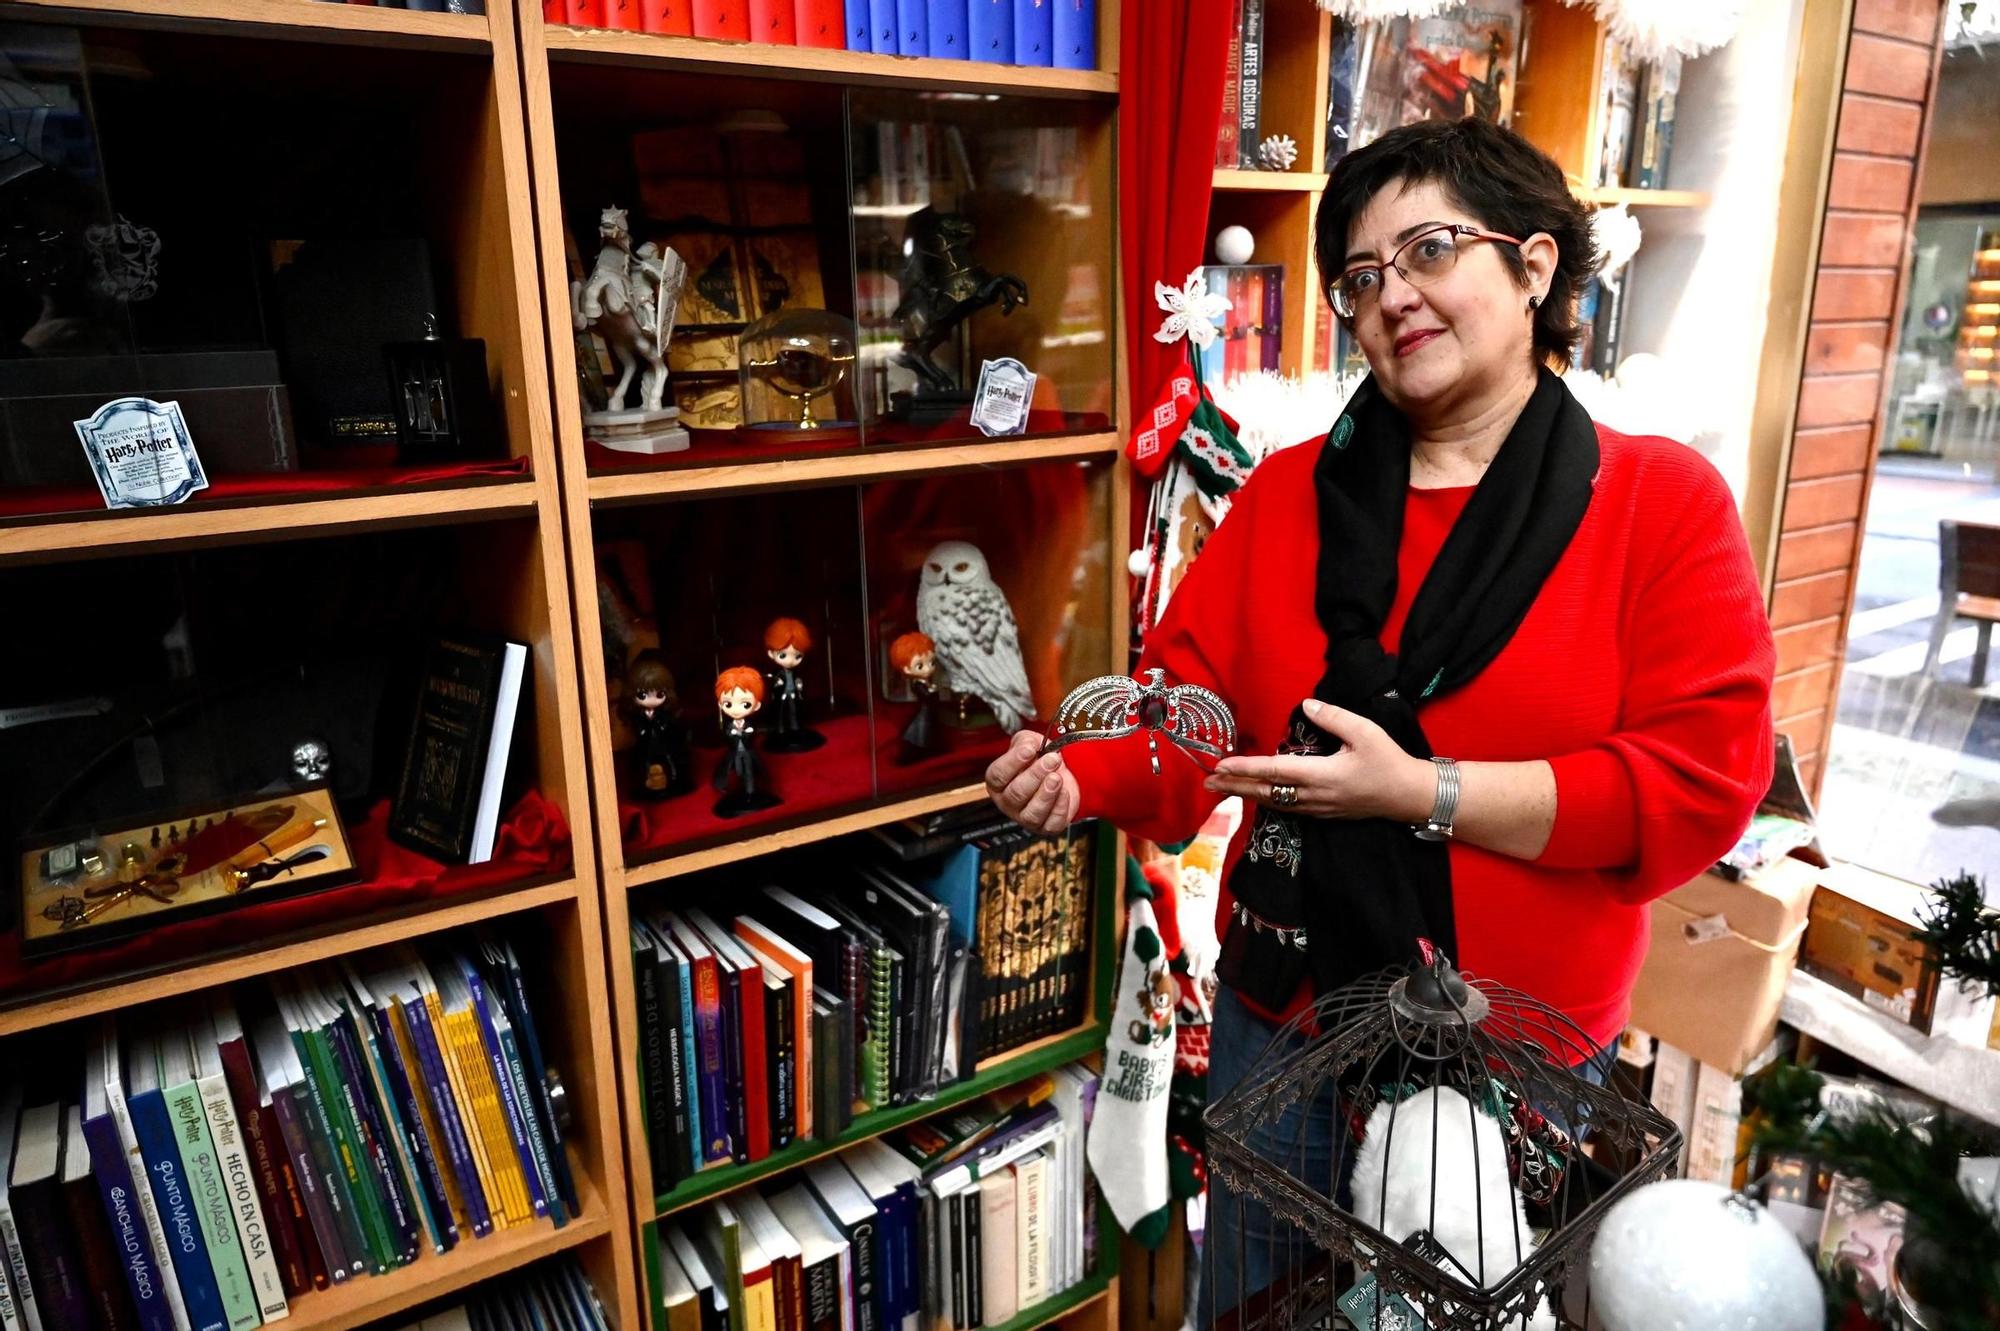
[[874, 464], [1961, 1075], [1234, 180], [822, 65], [90, 1001], [279, 518], [367, 1299], [673, 866], [303, 20], [1018, 1065], [1645, 198], [1080, 1295]]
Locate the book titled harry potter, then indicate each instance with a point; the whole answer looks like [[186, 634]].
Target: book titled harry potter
[[447, 801]]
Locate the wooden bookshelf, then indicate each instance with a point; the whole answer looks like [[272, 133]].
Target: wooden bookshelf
[[1606, 195], [1239, 180], [506, 557]]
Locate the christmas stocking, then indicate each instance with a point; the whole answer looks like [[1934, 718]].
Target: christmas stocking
[[1128, 1135]]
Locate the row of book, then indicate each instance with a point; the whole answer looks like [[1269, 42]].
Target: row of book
[[1462, 62], [947, 1225], [1060, 34], [1637, 118], [1252, 328], [211, 1162], [549, 1296], [424, 6], [1240, 129], [780, 1019]]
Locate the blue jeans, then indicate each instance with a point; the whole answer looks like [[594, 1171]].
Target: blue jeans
[[1243, 1247]]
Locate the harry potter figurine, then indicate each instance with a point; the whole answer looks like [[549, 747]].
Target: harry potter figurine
[[916, 656], [740, 776], [660, 753], [786, 642]]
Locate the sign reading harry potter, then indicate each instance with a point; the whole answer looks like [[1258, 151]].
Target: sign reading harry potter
[[141, 453]]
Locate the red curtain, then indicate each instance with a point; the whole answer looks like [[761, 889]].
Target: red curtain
[[1171, 55]]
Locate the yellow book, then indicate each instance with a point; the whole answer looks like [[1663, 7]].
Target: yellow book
[[760, 1305], [500, 1157], [461, 1090]]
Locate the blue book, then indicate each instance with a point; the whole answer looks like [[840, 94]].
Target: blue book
[[710, 1075], [412, 987], [1034, 32], [913, 27], [512, 983], [504, 1054], [860, 36], [1076, 34], [882, 23], [113, 1172], [955, 886], [989, 30], [154, 1126], [947, 27]]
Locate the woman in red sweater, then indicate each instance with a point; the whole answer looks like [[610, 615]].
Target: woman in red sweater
[[1508, 673]]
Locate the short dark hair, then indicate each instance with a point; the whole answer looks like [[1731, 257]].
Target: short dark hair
[[1506, 183]]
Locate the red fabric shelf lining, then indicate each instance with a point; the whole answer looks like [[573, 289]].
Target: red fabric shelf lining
[[533, 842], [709, 448], [318, 483]]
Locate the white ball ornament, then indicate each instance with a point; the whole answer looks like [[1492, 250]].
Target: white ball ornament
[[1234, 244], [1139, 563], [1684, 1255]]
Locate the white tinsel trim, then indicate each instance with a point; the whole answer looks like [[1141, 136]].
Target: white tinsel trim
[[1372, 11], [1617, 234], [1273, 411], [1651, 29]]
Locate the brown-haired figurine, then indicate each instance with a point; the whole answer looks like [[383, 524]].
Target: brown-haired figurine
[[660, 754], [786, 642], [916, 656], [739, 695]]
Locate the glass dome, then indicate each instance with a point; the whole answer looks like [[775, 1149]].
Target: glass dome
[[797, 371]]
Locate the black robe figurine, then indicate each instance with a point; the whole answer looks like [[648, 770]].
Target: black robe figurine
[[916, 656], [660, 761], [740, 777], [786, 642]]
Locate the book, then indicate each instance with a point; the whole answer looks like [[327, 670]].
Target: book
[[989, 30], [774, 948], [774, 22], [858, 25], [12, 1255], [496, 1034], [1619, 95], [1343, 58], [1662, 90], [104, 1092], [823, 1256], [126, 1233], [853, 1213], [780, 1054], [1031, 1231], [335, 1113], [414, 1153], [782, 1251], [745, 1105], [511, 981], [622, 15], [100, 1254], [334, 1228], [10, 1311], [53, 1268], [913, 27], [660, 1102], [447, 800], [1075, 44], [413, 994], [723, 1244], [710, 1068], [232, 1159], [300, 1266], [727, 19], [821, 23], [883, 24], [891, 1183], [1034, 32], [833, 1056], [154, 1126], [676, 1305], [999, 1294], [1250, 86], [710, 1297], [1461, 63], [208, 1193], [1228, 130], [673, 17], [946, 25], [493, 1142]]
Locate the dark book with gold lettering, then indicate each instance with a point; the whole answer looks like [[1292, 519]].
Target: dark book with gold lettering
[[447, 801]]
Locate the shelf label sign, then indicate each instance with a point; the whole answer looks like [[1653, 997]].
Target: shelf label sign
[[1000, 405], [141, 453]]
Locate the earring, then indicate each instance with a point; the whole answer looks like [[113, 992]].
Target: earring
[[1534, 302]]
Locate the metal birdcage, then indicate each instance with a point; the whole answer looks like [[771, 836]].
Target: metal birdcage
[[1409, 1153]]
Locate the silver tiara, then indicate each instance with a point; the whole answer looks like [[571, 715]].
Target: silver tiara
[[1192, 719]]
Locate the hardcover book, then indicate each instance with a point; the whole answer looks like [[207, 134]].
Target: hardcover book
[[447, 800]]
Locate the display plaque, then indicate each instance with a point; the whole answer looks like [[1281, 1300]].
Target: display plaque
[[141, 454]]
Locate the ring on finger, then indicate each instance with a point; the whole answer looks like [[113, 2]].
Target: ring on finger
[[1284, 796]]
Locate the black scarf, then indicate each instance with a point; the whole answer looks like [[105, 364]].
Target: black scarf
[[1344, 897]]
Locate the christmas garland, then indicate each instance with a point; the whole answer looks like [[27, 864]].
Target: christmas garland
[[1963, 934]]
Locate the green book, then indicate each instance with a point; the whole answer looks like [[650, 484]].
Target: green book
[[330, 1106], [209, 1192], [721, 1235]]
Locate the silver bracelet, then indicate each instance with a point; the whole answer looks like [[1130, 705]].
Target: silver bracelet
[[1445, 808]]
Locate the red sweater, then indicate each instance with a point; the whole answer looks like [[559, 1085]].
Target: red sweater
[[1642, 674]]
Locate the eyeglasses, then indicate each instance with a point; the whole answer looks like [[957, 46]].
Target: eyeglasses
[[1421, 260]]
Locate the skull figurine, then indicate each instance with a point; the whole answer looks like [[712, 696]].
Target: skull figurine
[[312, 761]]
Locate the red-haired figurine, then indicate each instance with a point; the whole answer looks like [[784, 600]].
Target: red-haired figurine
[[739, 694], [786, 642], [916, 656]]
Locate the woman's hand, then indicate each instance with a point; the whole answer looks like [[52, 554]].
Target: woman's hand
[[1370, 777], [1036, 790]]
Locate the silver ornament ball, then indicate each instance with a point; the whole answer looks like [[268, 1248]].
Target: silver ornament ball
[[1684, 1255], [1234, 244]]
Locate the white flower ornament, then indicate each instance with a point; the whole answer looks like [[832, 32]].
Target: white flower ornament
[[1191, 311]]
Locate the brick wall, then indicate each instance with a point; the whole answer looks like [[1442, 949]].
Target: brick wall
[[1892, 61]]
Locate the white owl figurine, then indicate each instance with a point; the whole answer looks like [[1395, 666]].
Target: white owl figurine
[[962, 610]]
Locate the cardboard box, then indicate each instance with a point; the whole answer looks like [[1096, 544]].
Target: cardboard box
[[1715, 974], [1859, 938]]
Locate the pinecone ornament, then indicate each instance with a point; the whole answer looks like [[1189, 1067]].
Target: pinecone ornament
[[1278, 152]]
